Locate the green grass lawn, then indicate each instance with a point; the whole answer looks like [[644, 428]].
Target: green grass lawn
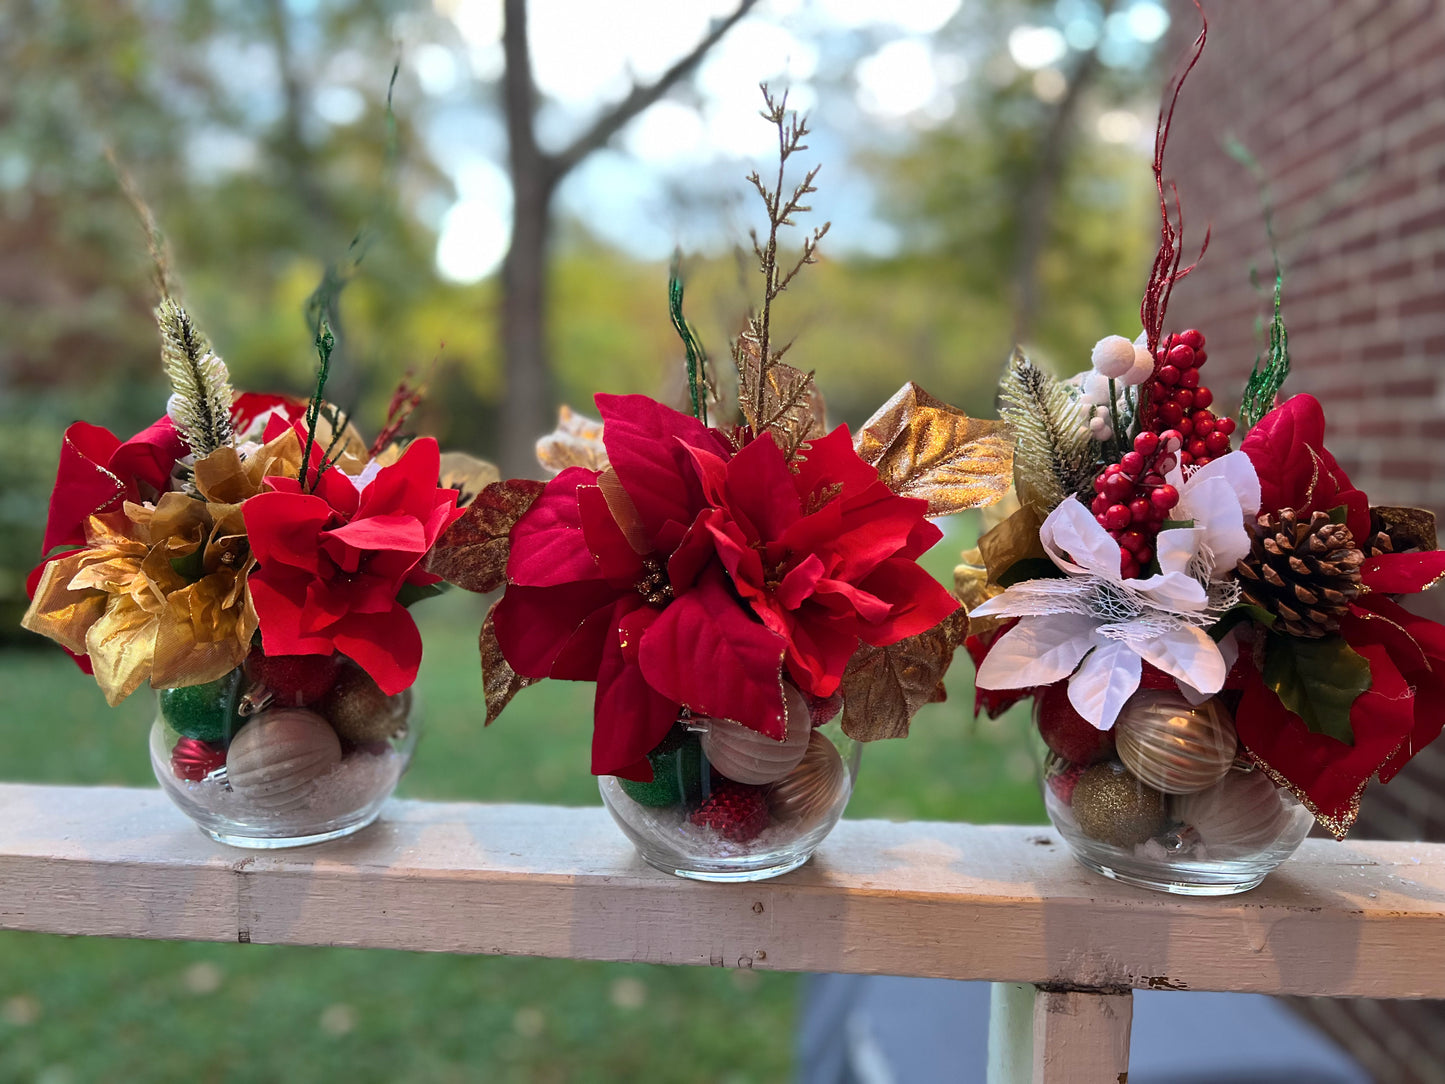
[[81, 1010]]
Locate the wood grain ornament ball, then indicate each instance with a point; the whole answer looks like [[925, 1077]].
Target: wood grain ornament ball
[[275, 757], [1241, 816], [811, 789], [746, 756], [1173, 745]]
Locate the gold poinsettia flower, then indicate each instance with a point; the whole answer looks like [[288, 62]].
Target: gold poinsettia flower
[[159, 594]]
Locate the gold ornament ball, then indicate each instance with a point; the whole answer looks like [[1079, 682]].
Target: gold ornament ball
[[1173, 745], [361, 712], [1114, 807]]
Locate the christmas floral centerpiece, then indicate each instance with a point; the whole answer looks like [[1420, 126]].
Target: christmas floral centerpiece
[[250, 557], [1211, 634], [732, 583]]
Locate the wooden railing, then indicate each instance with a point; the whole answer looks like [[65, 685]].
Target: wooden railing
[[959, 901]]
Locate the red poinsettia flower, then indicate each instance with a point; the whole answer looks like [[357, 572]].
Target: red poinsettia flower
[[1399, 714], [330, 562], [689, 576]]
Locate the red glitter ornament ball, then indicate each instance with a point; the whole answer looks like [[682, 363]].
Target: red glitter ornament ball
[[1067, 732], [1063, 781], [735, 811], [293, 680], [193, 759]]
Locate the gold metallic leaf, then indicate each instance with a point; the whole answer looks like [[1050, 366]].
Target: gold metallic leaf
[[467, 474], [1013, 540], [925, 448], [1408, 528], [576, 442], [883, 687], [972, 587], [472, 552], [499, 681], [124, 603]]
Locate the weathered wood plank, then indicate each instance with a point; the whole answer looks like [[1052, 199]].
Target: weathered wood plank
[[942, 900], [1052, 1036]]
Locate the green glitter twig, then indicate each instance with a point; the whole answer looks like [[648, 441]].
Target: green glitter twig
[[1271, 370], [325, 343], [696, 355]]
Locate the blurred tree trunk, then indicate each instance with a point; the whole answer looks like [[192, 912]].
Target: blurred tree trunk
[[1036, 211], [535, 174]]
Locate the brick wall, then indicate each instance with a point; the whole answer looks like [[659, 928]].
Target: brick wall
[[1343, 103]]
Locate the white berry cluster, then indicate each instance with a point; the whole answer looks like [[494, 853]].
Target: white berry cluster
[[1125, 363]]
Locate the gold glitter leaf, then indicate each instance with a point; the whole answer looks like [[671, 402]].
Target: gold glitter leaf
[[883, 687], [925, 448], [1013, 540], [499, 681], [472, 552], [576, 442]]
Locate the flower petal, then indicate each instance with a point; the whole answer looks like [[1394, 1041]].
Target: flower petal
[[709, 653], [1037, 651], [534, 625], [1186, 653], [386, 645], [1076, 542], [548, 545], [1403, 573], [629, 716], [1108, 676]]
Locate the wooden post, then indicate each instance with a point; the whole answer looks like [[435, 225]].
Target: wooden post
[[1039, 1035]]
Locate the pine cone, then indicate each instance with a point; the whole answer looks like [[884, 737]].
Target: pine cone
[[1304, 572]]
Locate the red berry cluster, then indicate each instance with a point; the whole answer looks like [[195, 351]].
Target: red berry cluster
[[1178, 401], [1132, 500]]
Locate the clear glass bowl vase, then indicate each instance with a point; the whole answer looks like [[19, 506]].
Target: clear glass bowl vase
[[283, 751], [1162, 801], [761, 819]]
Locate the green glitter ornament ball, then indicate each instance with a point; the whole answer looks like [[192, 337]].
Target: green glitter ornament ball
[[208, 711], [678, 768]]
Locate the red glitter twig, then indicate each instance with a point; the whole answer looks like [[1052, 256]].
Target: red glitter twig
[[404, 400], [1166, 270]]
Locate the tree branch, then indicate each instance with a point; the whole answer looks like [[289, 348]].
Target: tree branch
[[638, 98]]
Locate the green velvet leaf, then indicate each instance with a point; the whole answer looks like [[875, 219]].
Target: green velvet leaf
[[1238, 615], [1318, 680]]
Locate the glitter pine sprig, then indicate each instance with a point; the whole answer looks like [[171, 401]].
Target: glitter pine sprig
[[200, 404], [1054, 456]]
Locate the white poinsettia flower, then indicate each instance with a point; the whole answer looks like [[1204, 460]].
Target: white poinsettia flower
[[1218, 497], [1099, 627]]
